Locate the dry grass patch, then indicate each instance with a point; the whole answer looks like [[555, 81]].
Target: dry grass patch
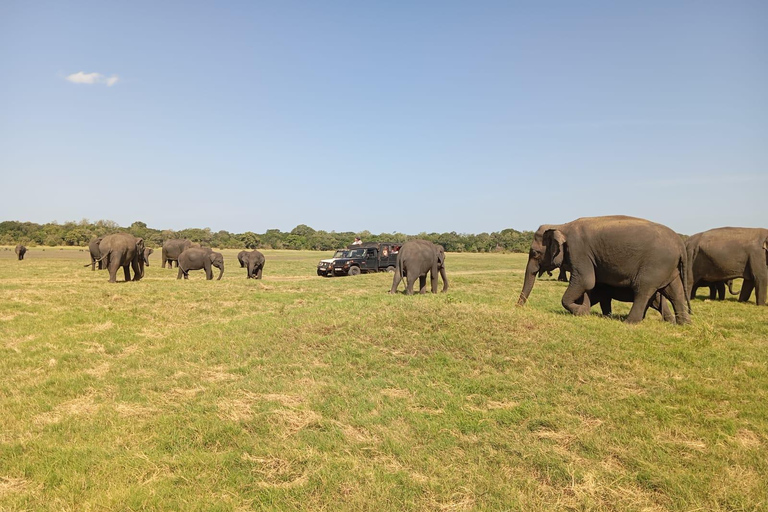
[[81, 406], [276, 472]]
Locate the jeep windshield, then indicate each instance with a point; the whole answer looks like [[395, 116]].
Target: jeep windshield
[[340, 254], [355, 253]]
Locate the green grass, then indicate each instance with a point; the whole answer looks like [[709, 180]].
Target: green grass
[[299, 392]]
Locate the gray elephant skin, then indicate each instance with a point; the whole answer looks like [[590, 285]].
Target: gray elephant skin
[[716, 290], [254, 261], [93, 248], [241, 258], [147, 252], [173, 248], [20, 251], [122, 250], [603, 294], [200, 258], [618, 251], [415, 259], [729, 253]]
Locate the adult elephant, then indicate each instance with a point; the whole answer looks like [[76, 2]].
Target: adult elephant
[[93, 248], [716, 290], [122, 250], [241, 258], [728, 253], [254, 261], [414, 260], [20, 251], [197, 258], [618, 251], [172, 249]]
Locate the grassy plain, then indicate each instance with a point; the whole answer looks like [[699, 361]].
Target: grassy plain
[[304, 393]]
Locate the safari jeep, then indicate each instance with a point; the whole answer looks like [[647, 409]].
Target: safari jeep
[[360, 259]]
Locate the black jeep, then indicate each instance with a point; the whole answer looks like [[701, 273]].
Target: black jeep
[[360, 259]]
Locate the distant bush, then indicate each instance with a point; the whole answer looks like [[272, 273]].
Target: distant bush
[[302, 237]]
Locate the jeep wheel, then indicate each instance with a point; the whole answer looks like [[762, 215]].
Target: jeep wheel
[[390, 268], [354, 271]]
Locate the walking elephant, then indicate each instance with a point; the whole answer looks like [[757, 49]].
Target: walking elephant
[[716, 290], [20, 251], [415, 259], [197, 258], [241, 258], [172, 249], [122, 250], [728, 253], [618, 251], [254, 261]]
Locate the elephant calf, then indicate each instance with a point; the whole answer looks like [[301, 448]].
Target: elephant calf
[[254, 260], [197, 259], [604, 294], [20, 251]]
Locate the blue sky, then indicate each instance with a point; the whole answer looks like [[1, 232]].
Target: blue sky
[[385, 116]]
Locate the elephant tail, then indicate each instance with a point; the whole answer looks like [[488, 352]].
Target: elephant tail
[[681, 267]]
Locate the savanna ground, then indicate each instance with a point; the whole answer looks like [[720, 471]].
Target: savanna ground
[[300, 392]]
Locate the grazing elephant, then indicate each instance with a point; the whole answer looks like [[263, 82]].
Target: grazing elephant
[[147, 252], [619, 251], [727, 253], [172, 249], [241, 258], [414, 260], [122, 250], [254, 260], [197, 258], [604, 294], [20, 251], [716, 290]]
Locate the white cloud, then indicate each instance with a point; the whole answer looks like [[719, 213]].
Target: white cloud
[[92, 78]]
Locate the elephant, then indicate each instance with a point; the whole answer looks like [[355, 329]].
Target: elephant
[[172, 249], [122, 250], [254, 260], [147, 252], [619, 251], [716, 289], [240, 258], [414, 260], [728, 253], [93, 248], [604, 294], [196, 258], [20, 251]]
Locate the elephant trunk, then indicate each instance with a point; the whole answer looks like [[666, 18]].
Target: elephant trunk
[[221, 272], [730, 287], [530, 278], [445, 279]]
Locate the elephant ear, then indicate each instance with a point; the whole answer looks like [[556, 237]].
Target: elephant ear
[[212, 257], [440, 256], [555, 242], [765, 246]]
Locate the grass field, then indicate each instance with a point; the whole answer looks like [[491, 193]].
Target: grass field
[[304, 393]]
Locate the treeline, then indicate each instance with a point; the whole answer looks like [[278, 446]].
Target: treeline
[[302, 237]]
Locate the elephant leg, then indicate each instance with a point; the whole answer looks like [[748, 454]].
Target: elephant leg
[[746, 290], [423, 284], [137, 273], [395, 281], [562, 276], [258, 274], [661, 305], [445, 279], [761, 289], [127, 272], [712, 292], [113, 273], [640, 305], [720, 290], [208, 272], [605, 306], [433, 278], [181, 273], [411, 281], [676, 294], [573, 294]]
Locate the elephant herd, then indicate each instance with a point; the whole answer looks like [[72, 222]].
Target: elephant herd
[[127, 251], [608, 258], [638, 261]]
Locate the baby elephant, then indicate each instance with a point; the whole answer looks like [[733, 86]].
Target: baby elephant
[[254, 260], [603, 294], [196, 259], [416, 259], [20, 251]]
